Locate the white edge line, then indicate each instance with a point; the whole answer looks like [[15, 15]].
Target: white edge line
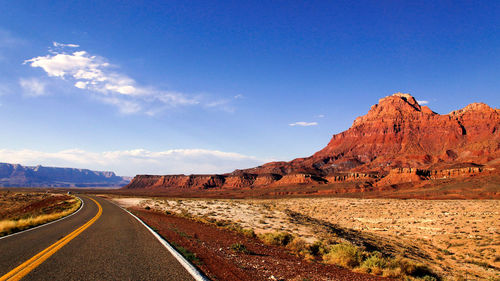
[[45, 224], [197, 275]]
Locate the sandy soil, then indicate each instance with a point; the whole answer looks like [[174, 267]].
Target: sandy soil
[[462, 237], [260, 217], [457, 238]]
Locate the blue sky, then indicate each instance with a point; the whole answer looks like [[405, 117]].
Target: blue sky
[[204, 87]]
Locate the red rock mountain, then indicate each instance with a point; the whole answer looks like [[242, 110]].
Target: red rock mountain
[[396, 141], [398, 132]]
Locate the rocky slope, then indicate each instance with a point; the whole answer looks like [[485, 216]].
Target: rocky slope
[[397, 141], [13, 175]]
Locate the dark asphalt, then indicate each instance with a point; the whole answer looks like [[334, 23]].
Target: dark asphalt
[[115, 247]]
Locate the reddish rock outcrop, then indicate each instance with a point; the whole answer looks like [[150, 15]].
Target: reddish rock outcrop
[[299, 178], [239, 180], [266, 179], [396, 141], [344, 177]]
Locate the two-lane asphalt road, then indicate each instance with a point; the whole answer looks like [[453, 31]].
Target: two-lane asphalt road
[[114, 247]]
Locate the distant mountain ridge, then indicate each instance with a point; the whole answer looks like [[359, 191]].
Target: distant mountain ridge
[[16, 175], [397, 141]]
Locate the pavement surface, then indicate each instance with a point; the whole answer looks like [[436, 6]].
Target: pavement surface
[[115, 247]]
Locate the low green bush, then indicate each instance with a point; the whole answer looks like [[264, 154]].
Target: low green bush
[[238, 247]]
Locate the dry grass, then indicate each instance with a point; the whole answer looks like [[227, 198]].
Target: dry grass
[[276, 238], [11, 225], [344, 254]]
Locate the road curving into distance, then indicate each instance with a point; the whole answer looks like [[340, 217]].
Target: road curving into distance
[[100, 242]]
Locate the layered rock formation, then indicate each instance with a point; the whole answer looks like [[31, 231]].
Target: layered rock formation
[[13, 175], [396, 141]]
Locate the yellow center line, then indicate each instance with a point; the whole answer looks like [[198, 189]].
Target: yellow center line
[[23, 269]]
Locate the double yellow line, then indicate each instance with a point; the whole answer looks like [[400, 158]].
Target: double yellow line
[[21, 271]]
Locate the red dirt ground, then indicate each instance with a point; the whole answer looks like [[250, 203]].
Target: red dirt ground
[[212, 246]]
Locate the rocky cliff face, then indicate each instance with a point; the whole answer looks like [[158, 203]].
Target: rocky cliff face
[[397, 135], [12, 175]]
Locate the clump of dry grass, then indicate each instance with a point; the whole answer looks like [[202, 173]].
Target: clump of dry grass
[[344, 254], [301, 248], [11, 226], [374, 264], [276, 238], [401, 267]]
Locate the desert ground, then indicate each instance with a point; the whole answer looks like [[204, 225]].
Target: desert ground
[[20, 210], [457, 239]]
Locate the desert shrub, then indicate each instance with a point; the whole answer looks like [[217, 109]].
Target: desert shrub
[[238, 247], [205, 219], [375, 263], [299, 247], [276, 238], [248, 232], [222, 223], [400, 267], [190, 256], [392, 272], [343, 254], [185, 213], [318, 248]]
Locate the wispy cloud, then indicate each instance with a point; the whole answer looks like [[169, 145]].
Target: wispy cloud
[[96, 75], [303, 124], [32, 87], [320, 116], [136, 161], [222, 104], [422, 102], [56, 44]]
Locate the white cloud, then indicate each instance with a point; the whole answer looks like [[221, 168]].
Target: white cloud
[[56, 44], [32, 87], [422, 102], [239, 96], [96, 75], [136, 161], [320, 116], [303, 124]]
